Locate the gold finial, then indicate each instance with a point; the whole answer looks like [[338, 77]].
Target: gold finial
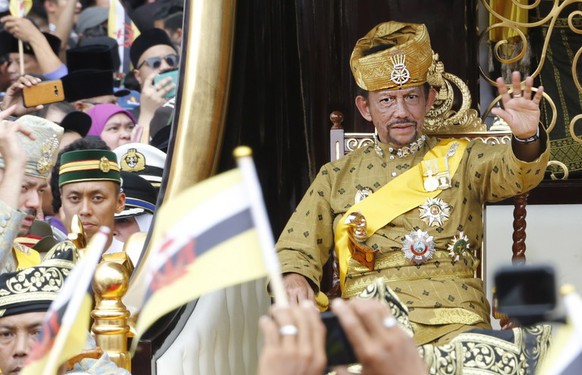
[[242, 151], [567, 289], [110, 324], [77, 235]]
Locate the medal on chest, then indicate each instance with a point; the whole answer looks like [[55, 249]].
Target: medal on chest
[[418, 246], [435, 212], [459, 246]]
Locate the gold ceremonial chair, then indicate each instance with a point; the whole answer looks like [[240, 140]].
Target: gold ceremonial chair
[[442, 121]]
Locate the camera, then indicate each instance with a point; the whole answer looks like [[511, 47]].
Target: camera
[[526, 293], [338, 348]]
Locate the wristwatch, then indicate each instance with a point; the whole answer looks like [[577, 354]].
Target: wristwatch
[[531, 139]]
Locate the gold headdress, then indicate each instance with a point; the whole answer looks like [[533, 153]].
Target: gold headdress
[[402, 60]]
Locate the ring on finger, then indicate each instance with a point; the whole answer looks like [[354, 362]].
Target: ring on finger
[[517, 95], [288, 330], [389, 322]]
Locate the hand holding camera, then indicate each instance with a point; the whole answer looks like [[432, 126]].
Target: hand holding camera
[[28, 93]]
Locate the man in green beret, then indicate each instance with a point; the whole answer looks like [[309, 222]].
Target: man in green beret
[[419, 199], [90, 182], [28, 147]]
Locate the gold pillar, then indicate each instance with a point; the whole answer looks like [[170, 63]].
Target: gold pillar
[[110, 325]]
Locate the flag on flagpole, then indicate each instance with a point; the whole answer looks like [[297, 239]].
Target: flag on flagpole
[[121, 28], [20, 8], [66, 324], [204, 239], [565, 355]]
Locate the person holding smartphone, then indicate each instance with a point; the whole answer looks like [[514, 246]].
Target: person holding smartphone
[[380, 348], [153, 53]]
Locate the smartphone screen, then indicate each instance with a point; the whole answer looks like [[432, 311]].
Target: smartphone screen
[[337, 346], [175, 75]]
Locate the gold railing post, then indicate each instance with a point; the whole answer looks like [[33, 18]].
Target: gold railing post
[[110, 316]]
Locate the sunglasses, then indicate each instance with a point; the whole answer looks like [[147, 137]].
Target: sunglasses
[[155, 62]]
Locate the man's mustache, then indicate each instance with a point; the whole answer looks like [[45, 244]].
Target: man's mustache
[[405, 121], [30, 212]]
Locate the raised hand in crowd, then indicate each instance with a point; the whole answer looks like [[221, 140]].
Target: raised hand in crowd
[[13, 95], [23, 29], [380, 345], [294, 341], [14, 157]]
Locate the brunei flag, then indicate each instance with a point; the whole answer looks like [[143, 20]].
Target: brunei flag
[[66, 324], [565, 355], [121, 28], [204, 239]]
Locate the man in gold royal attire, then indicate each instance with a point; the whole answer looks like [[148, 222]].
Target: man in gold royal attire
[[419, 198]]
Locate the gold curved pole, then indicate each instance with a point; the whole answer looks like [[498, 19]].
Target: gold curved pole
[[205, 86], [200, 108]]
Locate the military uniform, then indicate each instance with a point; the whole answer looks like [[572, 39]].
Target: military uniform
[[442, 294]]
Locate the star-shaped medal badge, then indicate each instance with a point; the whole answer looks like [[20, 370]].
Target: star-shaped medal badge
[[435, 212], [459, 246], [418, 246]]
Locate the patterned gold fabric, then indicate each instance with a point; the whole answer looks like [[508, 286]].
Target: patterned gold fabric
[[442, 295], [480, 351]]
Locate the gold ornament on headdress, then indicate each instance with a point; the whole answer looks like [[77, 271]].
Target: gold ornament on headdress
[[46, 160]]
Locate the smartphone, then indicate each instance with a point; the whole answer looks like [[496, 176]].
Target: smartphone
[[337, 346], [526, 293], [45, 92], [175, 75]]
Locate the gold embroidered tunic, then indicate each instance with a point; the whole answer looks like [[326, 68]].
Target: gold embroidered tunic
[[443, 295]]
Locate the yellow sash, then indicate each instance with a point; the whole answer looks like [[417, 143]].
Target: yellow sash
[[395, 198], [24, 260]]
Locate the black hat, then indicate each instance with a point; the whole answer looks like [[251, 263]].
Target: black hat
[[147, 39], [140, 196], [84, 84], [16, 294], [9, 44], [76, 121], [99, 53]]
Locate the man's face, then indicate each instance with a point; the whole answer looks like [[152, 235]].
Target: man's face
[[95, 202], [30, 66], [117, 130], [18, 333], [146, 69], [124, 228], [398, 115]]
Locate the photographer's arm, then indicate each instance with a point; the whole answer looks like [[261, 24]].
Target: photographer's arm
[[13, 95]]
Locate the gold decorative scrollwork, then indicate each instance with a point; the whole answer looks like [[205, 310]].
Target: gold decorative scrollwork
[[558, 164], [355, 141]]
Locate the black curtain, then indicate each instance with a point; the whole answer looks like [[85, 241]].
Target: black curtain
[[291, 70]]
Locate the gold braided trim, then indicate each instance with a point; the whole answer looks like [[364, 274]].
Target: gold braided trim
[[86, 165]]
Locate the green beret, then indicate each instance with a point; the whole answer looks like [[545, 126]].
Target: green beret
[[89, 165]]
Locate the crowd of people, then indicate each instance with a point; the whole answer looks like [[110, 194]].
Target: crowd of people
[[90, 159]]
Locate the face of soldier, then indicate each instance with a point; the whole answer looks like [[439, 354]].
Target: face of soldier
[[95, 202], [18, 333], [124, 228]]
